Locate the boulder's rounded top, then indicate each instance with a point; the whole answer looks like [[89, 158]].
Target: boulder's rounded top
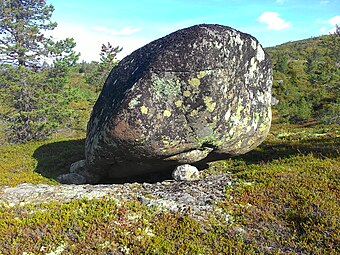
[[196, 48]]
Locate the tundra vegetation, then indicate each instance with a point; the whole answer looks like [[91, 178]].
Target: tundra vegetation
[[285, 199]]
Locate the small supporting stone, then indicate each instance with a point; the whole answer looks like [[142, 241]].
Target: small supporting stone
[[78, 175], [72, 178], [78, 166], [186, 172]]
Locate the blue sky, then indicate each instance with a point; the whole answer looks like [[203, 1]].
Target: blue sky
[[132, 24]]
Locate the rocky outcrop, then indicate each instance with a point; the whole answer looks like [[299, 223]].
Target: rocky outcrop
[[194, 94], [197, 198]]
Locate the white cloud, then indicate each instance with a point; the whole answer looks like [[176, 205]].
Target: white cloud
[[89, 41], [273, 21], [123, 31], [329, 25], [321, 21], [334, 20], [324, 2], [323, 29], [332, 31], [280, 1]]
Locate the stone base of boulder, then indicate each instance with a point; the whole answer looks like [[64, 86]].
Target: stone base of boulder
[[79, 174]]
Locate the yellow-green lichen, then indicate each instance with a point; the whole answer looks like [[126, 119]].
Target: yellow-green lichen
[[236, 118], [209, 139], [179, 103], [167, 86], [209, 104], [167, 113], [187, 93], [191, 156], [194, 113], [134, 102], [264, 126], [165, 142], [195, 82], [144, 109], [201, 74]]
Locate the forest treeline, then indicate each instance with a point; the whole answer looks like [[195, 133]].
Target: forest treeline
[[307, 79], [44, 89]]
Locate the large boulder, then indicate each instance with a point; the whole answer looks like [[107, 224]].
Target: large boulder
[[198, 92]]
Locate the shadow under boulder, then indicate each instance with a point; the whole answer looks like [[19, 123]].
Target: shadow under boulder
[[55, 158]]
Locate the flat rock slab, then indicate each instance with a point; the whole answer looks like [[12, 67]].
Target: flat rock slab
[[199, 197]]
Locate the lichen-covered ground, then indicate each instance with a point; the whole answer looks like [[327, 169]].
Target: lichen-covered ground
[[282, 198]]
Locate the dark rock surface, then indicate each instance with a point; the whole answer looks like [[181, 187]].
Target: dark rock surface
[[194, 94]]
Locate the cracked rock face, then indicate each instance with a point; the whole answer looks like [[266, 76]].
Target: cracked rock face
[[199, 92]]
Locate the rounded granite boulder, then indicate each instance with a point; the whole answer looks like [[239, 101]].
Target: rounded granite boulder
[[198, 92]]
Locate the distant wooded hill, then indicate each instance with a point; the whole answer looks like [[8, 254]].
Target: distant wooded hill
[[307, 79]]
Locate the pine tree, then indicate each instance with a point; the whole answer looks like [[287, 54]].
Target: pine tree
[[31, 94], [21, 25], [337, 30], [108, 60]]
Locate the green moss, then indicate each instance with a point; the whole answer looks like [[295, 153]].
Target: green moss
[[101, 226], [286, 190], [290, 203]]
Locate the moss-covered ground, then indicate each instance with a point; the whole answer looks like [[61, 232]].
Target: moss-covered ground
[[285, 201]]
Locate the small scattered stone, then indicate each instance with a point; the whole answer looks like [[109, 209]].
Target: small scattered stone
[[186, 172]]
